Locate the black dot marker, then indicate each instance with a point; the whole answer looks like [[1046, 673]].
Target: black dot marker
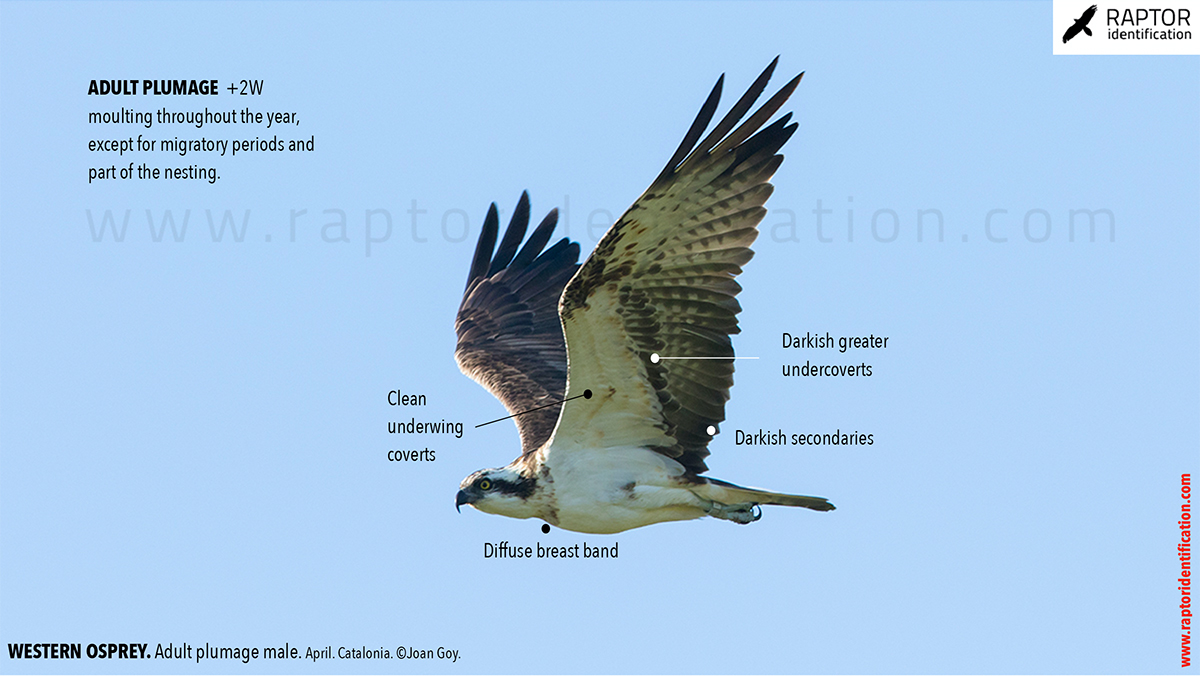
[[545, 528], [587, 394]]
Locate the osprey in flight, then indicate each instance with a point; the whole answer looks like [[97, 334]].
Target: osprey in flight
[[613, 436]]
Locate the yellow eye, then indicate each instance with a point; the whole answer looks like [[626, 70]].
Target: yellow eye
[[485, 485]]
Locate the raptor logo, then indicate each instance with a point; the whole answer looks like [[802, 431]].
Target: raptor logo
[[1080, 24]]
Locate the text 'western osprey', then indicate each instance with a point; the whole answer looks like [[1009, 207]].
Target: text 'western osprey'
[[617, 371]]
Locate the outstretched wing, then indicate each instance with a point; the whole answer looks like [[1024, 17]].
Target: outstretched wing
[[661, 280], [509, 336]]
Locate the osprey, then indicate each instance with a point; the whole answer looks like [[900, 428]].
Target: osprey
[[617, 371]]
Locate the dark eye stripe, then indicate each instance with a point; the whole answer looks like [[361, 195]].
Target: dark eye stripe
[[522, 488]]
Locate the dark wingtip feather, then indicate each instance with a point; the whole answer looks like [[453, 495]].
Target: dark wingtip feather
[[771, 137], [535, 243], [694, 132], [735, 113], [512, 235], [483, 249], [724, 137], [760, 116]]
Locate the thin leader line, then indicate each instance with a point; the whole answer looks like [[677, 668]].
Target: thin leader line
[[587, 394], [656, 357]]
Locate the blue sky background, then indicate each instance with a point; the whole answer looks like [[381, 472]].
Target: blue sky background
[[193, 434]]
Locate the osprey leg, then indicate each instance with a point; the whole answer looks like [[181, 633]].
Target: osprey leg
[[744, 513]]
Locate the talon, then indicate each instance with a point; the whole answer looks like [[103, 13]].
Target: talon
[[755, 512]]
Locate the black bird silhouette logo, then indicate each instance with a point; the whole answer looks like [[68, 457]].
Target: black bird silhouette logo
[[1080, 24]]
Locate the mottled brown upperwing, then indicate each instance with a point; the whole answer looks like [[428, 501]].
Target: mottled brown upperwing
[[510, 339]]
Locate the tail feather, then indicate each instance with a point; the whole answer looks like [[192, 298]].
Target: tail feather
[[732, 494]]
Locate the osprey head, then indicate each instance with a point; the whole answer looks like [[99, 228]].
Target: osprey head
[[504, 491]]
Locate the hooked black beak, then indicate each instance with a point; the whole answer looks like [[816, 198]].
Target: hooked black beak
[[461, 499]]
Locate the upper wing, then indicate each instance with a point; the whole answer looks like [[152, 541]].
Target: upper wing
[[661, 281], [509, 337], [1087, 15]]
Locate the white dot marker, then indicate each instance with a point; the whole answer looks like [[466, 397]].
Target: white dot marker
[[654, 358], [711, 430]]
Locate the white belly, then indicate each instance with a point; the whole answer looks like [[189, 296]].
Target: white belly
[[615, 489]]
